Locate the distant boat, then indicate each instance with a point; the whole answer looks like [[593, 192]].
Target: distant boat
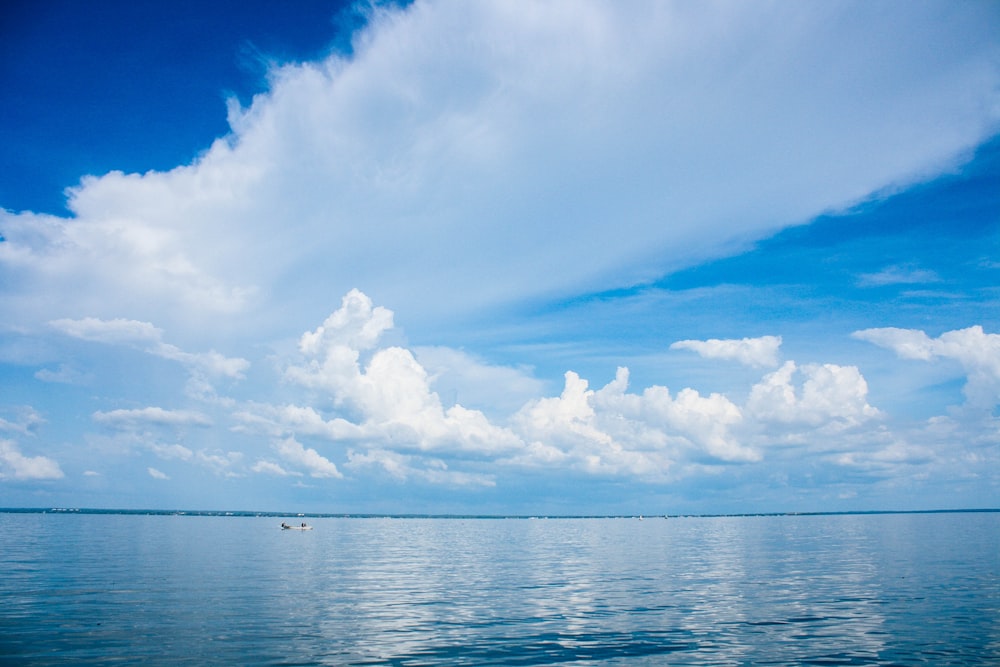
[[285, 526]]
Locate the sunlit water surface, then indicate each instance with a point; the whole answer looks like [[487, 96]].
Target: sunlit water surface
[[896, 589]]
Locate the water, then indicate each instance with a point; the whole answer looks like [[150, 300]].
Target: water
[[899, 589]]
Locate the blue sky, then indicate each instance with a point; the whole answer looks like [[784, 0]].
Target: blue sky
[[488, 257]]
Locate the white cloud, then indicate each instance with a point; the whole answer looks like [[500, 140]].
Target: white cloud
[[282, 420], [907, 343], [828, 395], [356, 325], [203, 368], [156, 474], [371, 407], [168, 452], [610, 431], [486, 154], [221, 463], [145, 336], [143, 429], [384, 415], [474, 383], [471, 156], [272, 468], [151, 416], [14, 464], [64, 374], [25, 421], [887, 460], [762, 351], [113, 332], [402, 467], [898, 275], [308, 458], [976, 351], [391, 396]]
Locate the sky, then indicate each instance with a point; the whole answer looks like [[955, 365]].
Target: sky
[[500, 258]]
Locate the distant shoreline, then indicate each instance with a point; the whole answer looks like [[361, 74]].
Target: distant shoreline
[[326, 515]]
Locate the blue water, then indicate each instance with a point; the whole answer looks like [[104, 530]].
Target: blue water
[[895, 589]]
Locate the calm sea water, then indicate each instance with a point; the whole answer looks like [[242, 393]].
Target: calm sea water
[[897, 589]]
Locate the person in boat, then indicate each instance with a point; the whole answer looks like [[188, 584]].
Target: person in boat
[[285, 525], [303, 524]]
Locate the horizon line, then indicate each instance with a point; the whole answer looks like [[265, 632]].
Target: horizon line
[[451, 515]]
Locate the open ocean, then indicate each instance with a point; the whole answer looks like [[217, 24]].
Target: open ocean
[[855, 589]]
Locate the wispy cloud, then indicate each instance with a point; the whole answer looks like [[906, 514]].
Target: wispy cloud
[[145, 336], [64, 374], [272, 468], [152, 415], [403, 467], [898, 275], [23, 420]]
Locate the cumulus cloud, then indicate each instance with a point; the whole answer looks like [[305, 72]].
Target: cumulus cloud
[[762, 351], [356, 325], [156, 474], [388, 404], [474, 140], [375, 406], [371, 406], [390, 396], [611, 431], [308, 458], [15, 465], [828, 394], [976, 351]]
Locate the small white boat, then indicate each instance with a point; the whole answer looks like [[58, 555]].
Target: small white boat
[[285, 526]]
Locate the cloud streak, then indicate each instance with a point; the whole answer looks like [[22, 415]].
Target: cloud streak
[[145, 336], [152, 416]]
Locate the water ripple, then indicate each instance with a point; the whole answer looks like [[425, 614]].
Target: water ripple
[[834, 590]]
